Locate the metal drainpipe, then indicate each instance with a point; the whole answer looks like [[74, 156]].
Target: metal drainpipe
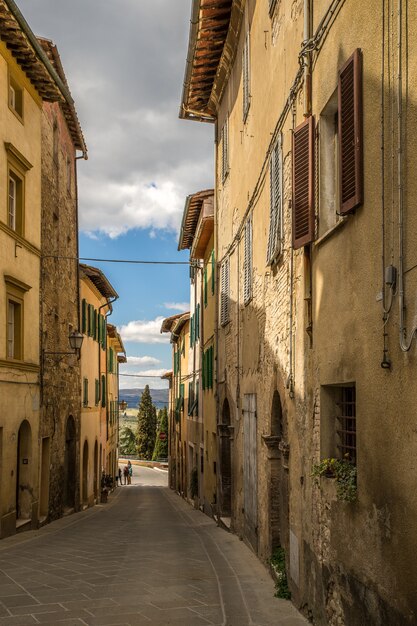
[[307, 59]]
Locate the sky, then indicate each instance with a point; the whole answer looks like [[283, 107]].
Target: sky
[[125, 63]]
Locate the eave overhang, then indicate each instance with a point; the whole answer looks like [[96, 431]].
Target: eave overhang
[[167, 375], [168, 322], [68, 109], [191, 215], [214, 30], [29, 54], [99, 280]]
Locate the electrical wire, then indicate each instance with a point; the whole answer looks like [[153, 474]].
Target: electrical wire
[[132, 261]]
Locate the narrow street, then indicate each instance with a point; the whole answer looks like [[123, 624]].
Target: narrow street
[[145, 557]]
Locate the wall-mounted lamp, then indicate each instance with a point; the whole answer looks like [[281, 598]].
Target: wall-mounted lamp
[[76, 341]]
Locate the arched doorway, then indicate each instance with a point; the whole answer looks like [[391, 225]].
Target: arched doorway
[[85, 473], [225, 462], [95, 470], [24, 472], [70, 464], [278, 476]]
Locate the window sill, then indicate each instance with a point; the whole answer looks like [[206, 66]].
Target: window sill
[[330, 232], [16, 114], [20, 238], [20, 365]]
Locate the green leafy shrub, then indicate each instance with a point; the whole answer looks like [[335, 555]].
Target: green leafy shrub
[[277, 563], [344, 472]]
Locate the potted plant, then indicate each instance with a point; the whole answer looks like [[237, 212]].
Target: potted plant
[[343, 471]]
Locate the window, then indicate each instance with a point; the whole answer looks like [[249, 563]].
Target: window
[[103, 390], [303, 183], [17, 166], [207, 369], [225, 292], [338, 421], [15, 291], [275, 221], [85, 392], [350, 133], [225, 149], [15, 97], [329, 166], [97, 392], [15, 204], [246, 77], [247, 263]]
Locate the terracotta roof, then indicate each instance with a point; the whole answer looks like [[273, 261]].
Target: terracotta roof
[[213, 33], [68, 109], [99, 280], [178, 325], [22, 43], [190, 217], [168, 322], [167, 375]]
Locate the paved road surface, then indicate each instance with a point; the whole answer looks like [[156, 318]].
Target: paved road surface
[[144, 558], [146, 476]]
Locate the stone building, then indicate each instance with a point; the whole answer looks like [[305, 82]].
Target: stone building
[[96, 298], [179, 457], [59, 303], [313, 119], [115, 354], [197, 235], [27, 80]]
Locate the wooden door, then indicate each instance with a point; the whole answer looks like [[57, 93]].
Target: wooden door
[[250, 477]]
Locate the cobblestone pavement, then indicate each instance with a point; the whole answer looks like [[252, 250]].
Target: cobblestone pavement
[[146, 557]]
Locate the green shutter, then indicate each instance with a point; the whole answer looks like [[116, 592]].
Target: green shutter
[[203, 371], [205, 286], [84, 316], [95, 325], [97, 391], [192, 331], [197, 386], [190, 397], [103, 334], [111, 360], [210, 367], [103, 390], [213, 271], [85, 392], [182, 396]]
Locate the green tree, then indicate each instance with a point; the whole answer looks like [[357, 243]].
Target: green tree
[[161, 445], [127, 441], [146, 432]]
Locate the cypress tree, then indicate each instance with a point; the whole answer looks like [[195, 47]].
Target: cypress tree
[[146, 432], [127, 441], [161, 445]]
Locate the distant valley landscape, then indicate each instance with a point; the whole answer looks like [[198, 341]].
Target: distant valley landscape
[[133, 396]]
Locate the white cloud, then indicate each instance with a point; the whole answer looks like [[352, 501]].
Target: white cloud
[[177, 306], [142, 360], [144, 331]]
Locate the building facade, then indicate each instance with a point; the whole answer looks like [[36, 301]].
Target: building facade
[[27, 80], [59, 304], [314, 244], [96, 297], [116, 354]]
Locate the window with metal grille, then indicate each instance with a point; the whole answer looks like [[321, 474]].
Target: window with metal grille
[[225, 291], [303, 183], [225, 149], [350, 133], [275, 220], [247, 263], [346, 423], [246, 76]]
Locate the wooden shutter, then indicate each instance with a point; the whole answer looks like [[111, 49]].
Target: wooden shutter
[[84, 316], [247, 263], [103, 391], [210, 367], [275, 220], [350, 133], [224, 291], [213, 272], [246, 76], [303, 183]]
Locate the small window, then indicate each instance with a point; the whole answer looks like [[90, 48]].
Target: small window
[[15, 97], [15, 202], [225, 292], [246, 77], [247, 263], [225, 149], [338, 421], [103, 391], [85, 392]]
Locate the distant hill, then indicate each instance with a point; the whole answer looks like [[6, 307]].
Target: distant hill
[[133, 396]]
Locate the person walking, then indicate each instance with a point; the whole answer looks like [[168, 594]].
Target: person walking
[[125, 475], [120, 475], [130, 473]]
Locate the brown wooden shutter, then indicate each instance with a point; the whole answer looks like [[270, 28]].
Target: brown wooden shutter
[[303, 183], [350, 133]]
